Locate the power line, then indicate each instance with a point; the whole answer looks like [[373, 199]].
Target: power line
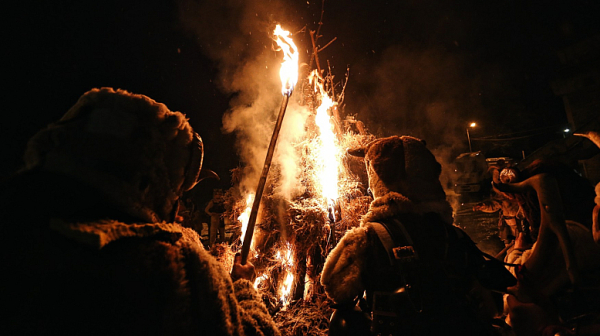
[[499, 136]]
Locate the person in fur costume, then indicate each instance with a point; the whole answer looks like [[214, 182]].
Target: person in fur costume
[[89, 242], [434, 291]]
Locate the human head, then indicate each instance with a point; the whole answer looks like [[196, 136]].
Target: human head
[[402, 164], [134, 151]]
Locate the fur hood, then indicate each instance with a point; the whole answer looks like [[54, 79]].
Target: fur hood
[[402, 164], [132, 149], [341, 275]]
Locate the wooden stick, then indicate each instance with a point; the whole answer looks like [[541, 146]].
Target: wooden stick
[[315, 51], [341, 96], [327, 45], [262, 181]]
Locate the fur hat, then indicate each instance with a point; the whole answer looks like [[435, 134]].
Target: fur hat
[[135, 151], [402, 164]]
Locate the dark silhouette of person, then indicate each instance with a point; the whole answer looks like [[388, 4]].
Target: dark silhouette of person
[[89, 242], [408, 266]]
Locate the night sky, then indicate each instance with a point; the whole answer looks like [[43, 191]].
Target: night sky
[[419, 67]]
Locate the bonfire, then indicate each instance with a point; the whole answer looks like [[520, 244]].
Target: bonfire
[[288, 239]]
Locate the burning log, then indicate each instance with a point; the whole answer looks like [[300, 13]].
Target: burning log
[[295, 234], [289, 77], [261, 183]]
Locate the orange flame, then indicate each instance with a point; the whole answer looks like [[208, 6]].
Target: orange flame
[[328, 151], [286, 289], [259, 280], [245, 216], [287, 261], [289, 68]]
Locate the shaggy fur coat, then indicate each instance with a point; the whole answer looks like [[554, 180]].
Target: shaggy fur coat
[[107, 277], [344, 268], [452, 301]]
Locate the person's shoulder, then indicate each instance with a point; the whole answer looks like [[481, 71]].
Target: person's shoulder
[[357, 233]]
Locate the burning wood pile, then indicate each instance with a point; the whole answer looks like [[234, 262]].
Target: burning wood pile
[[288, 239]]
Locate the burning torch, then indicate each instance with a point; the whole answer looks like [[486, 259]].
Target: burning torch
[[289, 76]]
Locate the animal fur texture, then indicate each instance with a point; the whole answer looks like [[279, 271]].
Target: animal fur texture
[[126, 145], [143, 278], [86, 246], [404, 177], [341, 275]]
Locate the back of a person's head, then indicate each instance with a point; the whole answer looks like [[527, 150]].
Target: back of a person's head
[[403, 164], [124, 148]]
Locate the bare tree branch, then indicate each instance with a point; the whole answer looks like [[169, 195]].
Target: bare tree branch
[[315, 51], [341, 96], [330, 42], [330, 79]]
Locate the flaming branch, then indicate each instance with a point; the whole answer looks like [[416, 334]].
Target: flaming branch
[[289, 76]]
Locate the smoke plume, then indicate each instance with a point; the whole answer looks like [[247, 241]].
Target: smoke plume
[[237, 35]]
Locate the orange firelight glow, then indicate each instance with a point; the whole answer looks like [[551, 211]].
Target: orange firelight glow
[[259, 280], [322, 173], [287, 262], [328, 151], [245, 216], [289, 68]]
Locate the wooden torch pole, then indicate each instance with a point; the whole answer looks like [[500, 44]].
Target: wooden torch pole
[[263, 180]]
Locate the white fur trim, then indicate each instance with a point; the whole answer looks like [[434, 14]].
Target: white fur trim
[[99, 234], [341, 275]]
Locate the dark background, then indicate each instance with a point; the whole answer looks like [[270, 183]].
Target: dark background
[[421, 67]]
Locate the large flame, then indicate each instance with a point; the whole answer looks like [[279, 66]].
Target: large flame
[[245, 216], [289, 68], [328, 151], [287, 262], [324, 156]]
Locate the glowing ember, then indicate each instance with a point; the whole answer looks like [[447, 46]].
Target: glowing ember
[[287, 262], [243, 218], [328, 152], [289, 68], [259, 280], [287, 259], [286, 289], [307, 286]]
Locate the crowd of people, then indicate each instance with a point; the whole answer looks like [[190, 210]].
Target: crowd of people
[[92, 241]]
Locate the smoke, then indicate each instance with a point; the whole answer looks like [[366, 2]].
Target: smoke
[[292, 131], [237, 36], [423, 93], [407, 77]]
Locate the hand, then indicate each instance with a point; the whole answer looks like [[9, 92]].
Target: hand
[[240, 271]]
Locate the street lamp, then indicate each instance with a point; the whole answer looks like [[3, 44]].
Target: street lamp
[[471, 125]]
